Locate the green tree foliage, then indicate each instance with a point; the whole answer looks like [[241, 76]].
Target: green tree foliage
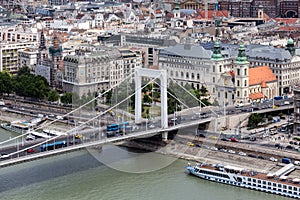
[[67, 98], [29, 85], [254, 120], [53, 96], [6, 83], [147, 99], [203, 91]]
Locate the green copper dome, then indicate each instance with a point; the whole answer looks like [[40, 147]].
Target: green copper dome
[[217, 55], [242, 58], [290, 41]]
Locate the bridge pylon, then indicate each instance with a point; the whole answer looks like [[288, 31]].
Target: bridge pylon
[[157, 74]]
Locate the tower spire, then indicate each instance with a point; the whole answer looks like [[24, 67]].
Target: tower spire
[[42, 41]]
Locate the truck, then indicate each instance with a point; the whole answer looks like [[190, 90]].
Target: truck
[[286, 160]]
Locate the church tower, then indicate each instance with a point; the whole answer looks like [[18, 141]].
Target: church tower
[[42, 50], [290, 46], [216, 72], [176, 10], [56, 64], [241, 72]]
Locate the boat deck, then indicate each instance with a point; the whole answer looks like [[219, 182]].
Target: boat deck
[[258, 175]]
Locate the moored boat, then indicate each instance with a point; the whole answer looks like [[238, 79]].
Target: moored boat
[[275, 183], [23, 126]]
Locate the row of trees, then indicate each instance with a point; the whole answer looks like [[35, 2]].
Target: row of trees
[[26, 84]]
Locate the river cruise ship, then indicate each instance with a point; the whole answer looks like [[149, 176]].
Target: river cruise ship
[[276, 183]]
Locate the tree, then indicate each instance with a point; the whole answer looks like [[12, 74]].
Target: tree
[[6, 83], [53, 96], [67, 98], [203, 91], [147, 99], [254, 120]]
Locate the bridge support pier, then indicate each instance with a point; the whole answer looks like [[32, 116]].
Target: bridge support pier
[[164, 136]]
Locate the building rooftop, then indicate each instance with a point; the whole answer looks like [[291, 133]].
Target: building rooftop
[[182, 50], [258, 75]]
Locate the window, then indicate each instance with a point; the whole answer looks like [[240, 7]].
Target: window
[[198, 76], [238, 72], [213, 79], [220, 68], [214, 68], [245, 83], [238, 83], [182, 75], [187, 75], [238, 94], [245, 72]]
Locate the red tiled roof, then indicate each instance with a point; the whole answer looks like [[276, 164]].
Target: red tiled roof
[[286, 20], [288, 28], [211, 14], [263, 84], [259, 74], [257, 95]]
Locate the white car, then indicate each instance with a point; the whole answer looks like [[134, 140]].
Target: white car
[[297, 162], [242, 153], [59, 117], [273, 159], [4, 156], [231, 151]]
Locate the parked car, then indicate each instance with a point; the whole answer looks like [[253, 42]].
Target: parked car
[[273, 159], [242, 153], [190, 144], [231, 151], [296, 162], [261, 157]]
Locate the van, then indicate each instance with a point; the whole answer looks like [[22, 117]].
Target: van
[[286, 160]]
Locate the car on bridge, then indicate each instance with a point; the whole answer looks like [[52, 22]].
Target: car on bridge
[[31, 150], [4, 156]]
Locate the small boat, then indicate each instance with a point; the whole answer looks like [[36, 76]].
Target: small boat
[[32, 135], [53, 132]]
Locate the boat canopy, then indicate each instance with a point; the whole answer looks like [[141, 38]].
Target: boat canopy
[[233, 168]]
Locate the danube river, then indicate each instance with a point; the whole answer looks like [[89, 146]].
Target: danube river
[[125, 175]]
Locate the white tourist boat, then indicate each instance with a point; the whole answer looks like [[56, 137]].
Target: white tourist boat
[[276, 183], [32, 135], [53, 132], [23, 126]]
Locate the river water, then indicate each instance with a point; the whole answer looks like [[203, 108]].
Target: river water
[[115, 173]]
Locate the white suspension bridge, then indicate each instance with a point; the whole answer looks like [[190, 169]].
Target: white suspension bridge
[[190, 114]]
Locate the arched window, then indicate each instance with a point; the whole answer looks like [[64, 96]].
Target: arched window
[[245, 82], [182, 74], [245, 93], [214, 68], [187, 75], [171, 73], [198, 76], [193, 76], [220, 68], [245, 72], [176, 73], [238, 93], [238, 83]]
